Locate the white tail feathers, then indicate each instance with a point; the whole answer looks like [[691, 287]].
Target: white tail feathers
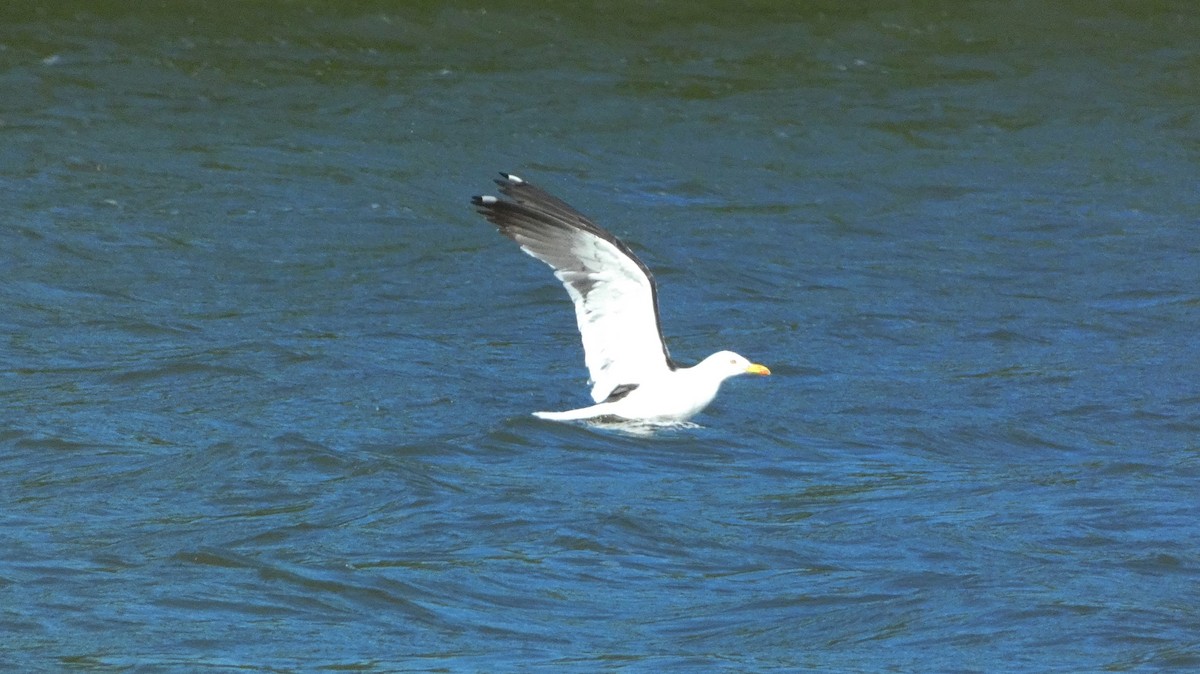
[[591, 412]]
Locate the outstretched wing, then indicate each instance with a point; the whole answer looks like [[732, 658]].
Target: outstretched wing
[[616, 304]]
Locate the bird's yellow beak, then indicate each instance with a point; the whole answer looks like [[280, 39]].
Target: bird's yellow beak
[[755, 368]]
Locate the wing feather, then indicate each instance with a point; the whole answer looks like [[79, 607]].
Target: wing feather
[[616, 301]]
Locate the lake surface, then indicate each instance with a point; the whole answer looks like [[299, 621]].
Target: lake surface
[[266, 377]]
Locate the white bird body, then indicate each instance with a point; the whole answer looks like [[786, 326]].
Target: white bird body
[[616, 308], [676, 396]]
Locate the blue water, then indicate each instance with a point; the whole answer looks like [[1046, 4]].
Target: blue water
[[267, 377]]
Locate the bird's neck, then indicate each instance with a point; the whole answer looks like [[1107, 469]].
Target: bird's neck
[[705, 376]]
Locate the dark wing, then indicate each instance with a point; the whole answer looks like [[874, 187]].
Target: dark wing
[[616, 304]]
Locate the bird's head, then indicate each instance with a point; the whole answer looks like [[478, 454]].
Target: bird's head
[[731, 364]]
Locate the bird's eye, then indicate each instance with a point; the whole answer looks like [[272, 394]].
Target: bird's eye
[[732, 361]]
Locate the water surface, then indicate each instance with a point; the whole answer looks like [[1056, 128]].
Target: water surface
[[267, 377]]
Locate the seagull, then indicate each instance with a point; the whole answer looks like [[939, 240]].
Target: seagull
[[633, 376]]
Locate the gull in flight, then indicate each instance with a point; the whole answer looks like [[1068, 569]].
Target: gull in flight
[[633, 377]]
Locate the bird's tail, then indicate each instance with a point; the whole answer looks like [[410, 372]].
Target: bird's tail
[[576, 415]]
